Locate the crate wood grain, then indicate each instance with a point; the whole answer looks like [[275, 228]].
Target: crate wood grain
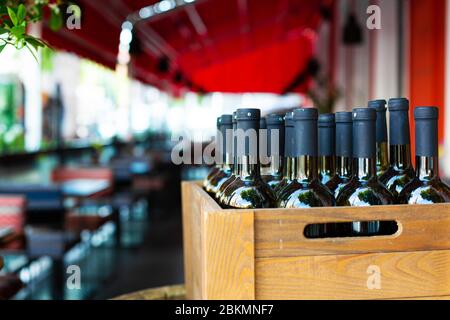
[[263, 254]]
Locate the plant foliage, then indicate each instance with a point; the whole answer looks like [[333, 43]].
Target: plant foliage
[[15, 17]]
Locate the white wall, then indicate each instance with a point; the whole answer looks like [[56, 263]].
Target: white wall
[[353, 77]]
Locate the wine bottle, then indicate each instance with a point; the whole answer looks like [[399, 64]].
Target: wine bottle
[[217, 166], [275, 150], [344, 149], [381, 136], [426, 187], [248, 190], [364, 188], [289, 160], [400, 171], [327, 151], [224, 155], [220, 195], [263, 165], [305, 190]]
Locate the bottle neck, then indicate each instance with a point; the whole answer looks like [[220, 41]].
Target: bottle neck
[[276, 165], [248, 167], [235, 165], [382, 156], [364, 168], [228, 164], [327, 165], [427, 168], [400, 156], [288, 170], [305, 168], [344, 166]]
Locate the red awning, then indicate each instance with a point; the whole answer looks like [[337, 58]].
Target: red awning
[[228, 46]]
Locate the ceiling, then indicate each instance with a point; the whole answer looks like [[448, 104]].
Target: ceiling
[[209, 45]]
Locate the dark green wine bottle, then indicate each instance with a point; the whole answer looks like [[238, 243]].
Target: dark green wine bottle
[[382, 137], [306, 190], [217, 166], [400, 171], [327, 151], [364, 188], [426, 187], [248, 190], [344, 149], [289, 159], [273, 175], [220, 195], [224, 154]]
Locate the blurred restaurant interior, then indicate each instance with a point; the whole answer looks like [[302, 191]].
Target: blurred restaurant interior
[[87, 127]]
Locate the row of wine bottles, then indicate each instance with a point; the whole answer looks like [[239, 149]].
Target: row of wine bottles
[[329, 159]]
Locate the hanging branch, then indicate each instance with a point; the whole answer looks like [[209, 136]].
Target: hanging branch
[[16, 15]]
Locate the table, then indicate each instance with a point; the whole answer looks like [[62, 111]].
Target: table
[[84, 188], [79, 189]]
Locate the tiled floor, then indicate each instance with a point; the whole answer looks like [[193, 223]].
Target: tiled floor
[[158, 261]]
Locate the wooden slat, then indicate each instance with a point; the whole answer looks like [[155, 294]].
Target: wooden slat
[[279, 232], [195, 202], [228, 260], [188, 239], [405, 274], [424, 298]]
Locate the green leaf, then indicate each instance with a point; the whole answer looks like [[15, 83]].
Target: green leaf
[[12, 15], [56, 20], [36, 43], [21, 13], [18, 31], [3, 31], [2, 46]]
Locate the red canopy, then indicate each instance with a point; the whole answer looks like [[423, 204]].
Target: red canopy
[[211, 45]]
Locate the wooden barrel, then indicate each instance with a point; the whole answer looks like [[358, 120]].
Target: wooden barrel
[[176, 292]]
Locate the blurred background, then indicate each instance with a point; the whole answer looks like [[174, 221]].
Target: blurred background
[[87, 127]]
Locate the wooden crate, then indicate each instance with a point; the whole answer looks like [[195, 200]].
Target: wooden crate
[[262, 253], [176, 292]]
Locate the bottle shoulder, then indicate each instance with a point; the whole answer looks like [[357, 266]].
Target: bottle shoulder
[[425, 192], [343, 181], [364, 193], [216, 182], [398, 180], [333, 182], [272, 180], [300, 194], [246, 194], [392, 173]]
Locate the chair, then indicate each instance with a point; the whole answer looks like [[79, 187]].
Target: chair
[[44, 203], [10, 284], [12, 215], [90, 219], [64, 174]]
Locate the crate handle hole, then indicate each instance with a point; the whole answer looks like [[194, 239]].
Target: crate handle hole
[[350, 229]]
